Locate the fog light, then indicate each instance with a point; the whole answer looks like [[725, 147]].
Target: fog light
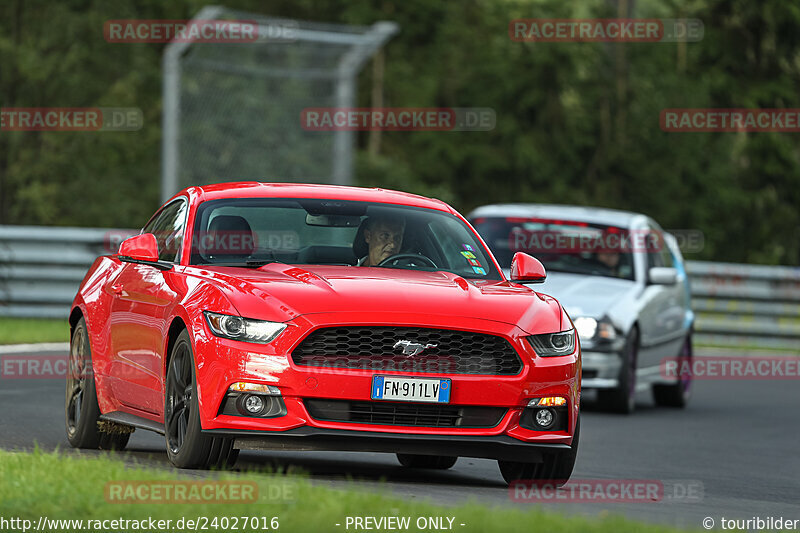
[[545, 417], [254, 404]]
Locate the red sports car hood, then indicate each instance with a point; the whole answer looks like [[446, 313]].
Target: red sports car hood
[[289, 291]]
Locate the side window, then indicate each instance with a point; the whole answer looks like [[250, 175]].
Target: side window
[[168, 227], [661, 246], [655, 248], [666, 255]]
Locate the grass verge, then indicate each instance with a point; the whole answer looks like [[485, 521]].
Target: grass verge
[[57, 486], [30, 330]]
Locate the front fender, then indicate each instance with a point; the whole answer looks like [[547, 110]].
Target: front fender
[[94, 303], [200, 297]]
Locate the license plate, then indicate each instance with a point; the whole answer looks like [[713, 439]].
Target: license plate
[[411, 389]]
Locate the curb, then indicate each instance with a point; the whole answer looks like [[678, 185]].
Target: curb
[[38, 347]]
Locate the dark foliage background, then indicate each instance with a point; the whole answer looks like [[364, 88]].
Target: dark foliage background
[[576, 122]]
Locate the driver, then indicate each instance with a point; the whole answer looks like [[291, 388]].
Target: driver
[[616, 263], [609, 259], [384, 236]]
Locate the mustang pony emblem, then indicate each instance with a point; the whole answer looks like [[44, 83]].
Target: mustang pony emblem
[[411, 349]]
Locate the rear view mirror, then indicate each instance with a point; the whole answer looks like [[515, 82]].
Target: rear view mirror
[[334, 221], [662, 276], [526, 268]]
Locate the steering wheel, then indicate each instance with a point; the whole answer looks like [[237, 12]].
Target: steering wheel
[[409, 258]]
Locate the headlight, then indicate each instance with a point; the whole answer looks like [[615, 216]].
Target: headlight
[[243, 329], [553, 344], [606, 331], [586, 327], [589, 329]]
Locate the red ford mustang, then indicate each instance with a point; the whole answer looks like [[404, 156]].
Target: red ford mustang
[[284, 316]]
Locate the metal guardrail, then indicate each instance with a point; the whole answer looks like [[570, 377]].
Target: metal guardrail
[[737, 305], [741, 305], [41, 267]]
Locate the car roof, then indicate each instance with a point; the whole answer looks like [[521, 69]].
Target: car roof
[[594, 215], [254, 189]]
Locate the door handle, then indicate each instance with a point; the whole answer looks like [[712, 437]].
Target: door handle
[[116, 288]]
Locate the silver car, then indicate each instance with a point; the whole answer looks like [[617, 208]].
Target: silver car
[[622, 280]]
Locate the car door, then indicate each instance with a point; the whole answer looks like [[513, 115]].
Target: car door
[[675, 316], [142, 299], [683, 288], [661, 313]]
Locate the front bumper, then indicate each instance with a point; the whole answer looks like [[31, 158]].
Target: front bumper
[[221, 362], [318, 439], [602, 362], [601, 370]]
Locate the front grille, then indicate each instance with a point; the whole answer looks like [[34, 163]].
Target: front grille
[[372, 348], [404, 414]]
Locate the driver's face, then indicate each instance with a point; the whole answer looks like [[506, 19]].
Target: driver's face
[[610, 259], [384, 241]]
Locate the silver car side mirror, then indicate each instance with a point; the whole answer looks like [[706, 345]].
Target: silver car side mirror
[[662, 276]]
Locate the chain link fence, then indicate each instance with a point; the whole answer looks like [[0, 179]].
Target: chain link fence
[[232, 110]]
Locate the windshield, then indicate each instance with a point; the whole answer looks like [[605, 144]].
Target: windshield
[[562, 245], [253, 232]]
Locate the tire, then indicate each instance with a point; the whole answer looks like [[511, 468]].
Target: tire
[[678, 394], [81, 410], [434, 462], [556, 469], [622, 399], [187, 446]]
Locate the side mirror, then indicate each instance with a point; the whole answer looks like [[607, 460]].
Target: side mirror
[[139, 248], [662, 276], [526, 268]]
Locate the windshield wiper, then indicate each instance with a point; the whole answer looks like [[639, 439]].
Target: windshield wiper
[[257, 263], [250, 263]]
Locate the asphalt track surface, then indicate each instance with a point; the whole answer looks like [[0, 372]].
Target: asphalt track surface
[[736, 448]]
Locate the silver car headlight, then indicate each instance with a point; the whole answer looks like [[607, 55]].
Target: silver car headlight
[[586, 326], [592, 329], [553, 344], [243, 329]]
